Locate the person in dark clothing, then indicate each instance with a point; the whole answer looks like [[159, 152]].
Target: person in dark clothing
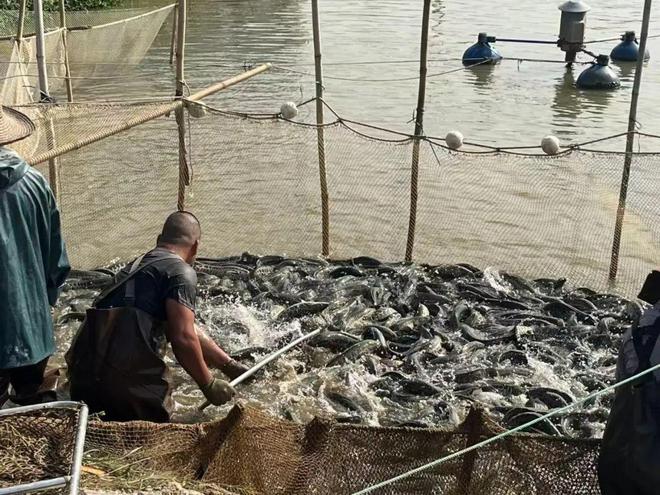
[[116, 359], [33, 267], [629, 461]]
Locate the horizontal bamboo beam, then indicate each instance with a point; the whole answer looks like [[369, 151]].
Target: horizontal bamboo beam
[[146, 117]]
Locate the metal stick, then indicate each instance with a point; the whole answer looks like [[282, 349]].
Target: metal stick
[[184, 176], [632, 121], [419, 130], [320, 133], [265, 361]]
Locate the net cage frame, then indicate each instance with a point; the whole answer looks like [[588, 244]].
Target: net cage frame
[[72, 479], [291, 144]]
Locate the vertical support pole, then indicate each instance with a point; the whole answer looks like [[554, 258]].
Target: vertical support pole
[[21, 22], [67, 68], [632, 120], [41, 51], [175, 24], [320, 131], [184, 176], [44, 95], [419, 130]]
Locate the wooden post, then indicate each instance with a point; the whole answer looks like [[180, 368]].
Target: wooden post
[[320, 132], [632, 121], [419, 130], [67, 69], [184, 178], [175, 18]]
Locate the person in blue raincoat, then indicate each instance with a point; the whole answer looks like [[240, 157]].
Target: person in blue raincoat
[[33, 267]]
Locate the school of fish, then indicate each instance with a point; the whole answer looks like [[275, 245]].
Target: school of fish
[[401, 344]]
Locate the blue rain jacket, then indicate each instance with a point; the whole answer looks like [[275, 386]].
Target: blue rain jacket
[[33, 263]]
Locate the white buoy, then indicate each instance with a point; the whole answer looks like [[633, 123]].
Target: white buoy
[[550, 145], [196, 110], [289, 110], [454, 140]]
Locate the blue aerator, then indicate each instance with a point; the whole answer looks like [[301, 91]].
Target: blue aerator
[[598, 76], [481, 53], [628, 49]]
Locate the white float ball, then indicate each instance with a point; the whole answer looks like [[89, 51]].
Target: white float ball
[[454, 140], [550, 145], [289, 110], [196, 110]]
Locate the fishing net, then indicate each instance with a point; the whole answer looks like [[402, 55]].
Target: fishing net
[[36, 445], [101, 46], [255, 187], [249, 452]]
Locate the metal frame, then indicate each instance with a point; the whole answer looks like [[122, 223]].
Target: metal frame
[[73, 479]]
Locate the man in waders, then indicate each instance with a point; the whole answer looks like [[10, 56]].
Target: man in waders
[[629, 462], [33, 267], [116, 361]]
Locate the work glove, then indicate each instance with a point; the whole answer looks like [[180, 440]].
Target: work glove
[[233, 369], [217, 392]]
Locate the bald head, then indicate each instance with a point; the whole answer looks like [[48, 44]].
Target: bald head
[[181, 229]]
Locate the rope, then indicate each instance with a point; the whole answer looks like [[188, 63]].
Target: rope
[[506, 433], [396, 79]]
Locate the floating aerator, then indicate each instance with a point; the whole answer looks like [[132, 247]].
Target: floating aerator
[[481, 52], [628, 49], [599, 76]]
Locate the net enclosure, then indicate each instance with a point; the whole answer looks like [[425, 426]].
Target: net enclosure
[[255, 187], [100, 46], [248, 452]]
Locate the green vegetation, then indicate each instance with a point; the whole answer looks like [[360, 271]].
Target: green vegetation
[[69, 4]]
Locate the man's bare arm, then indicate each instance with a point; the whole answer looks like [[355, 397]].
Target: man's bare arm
[[214, 356], [185, 342]]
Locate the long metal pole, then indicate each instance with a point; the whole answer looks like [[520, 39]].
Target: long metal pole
[[320, 132], [265, 361], [184, 176], [632, 121], [67, 69], [419, 130]]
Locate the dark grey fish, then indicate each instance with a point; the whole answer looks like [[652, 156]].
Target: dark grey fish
[[305, 308], [493, 334], [354, 352]]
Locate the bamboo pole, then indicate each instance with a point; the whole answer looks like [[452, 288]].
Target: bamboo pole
[[21, 22], [41, 51], [158, 111], [184, 176], [44, 96], [67, 68], [175, 22], [320, 132], [419, 130], [632, 121]]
